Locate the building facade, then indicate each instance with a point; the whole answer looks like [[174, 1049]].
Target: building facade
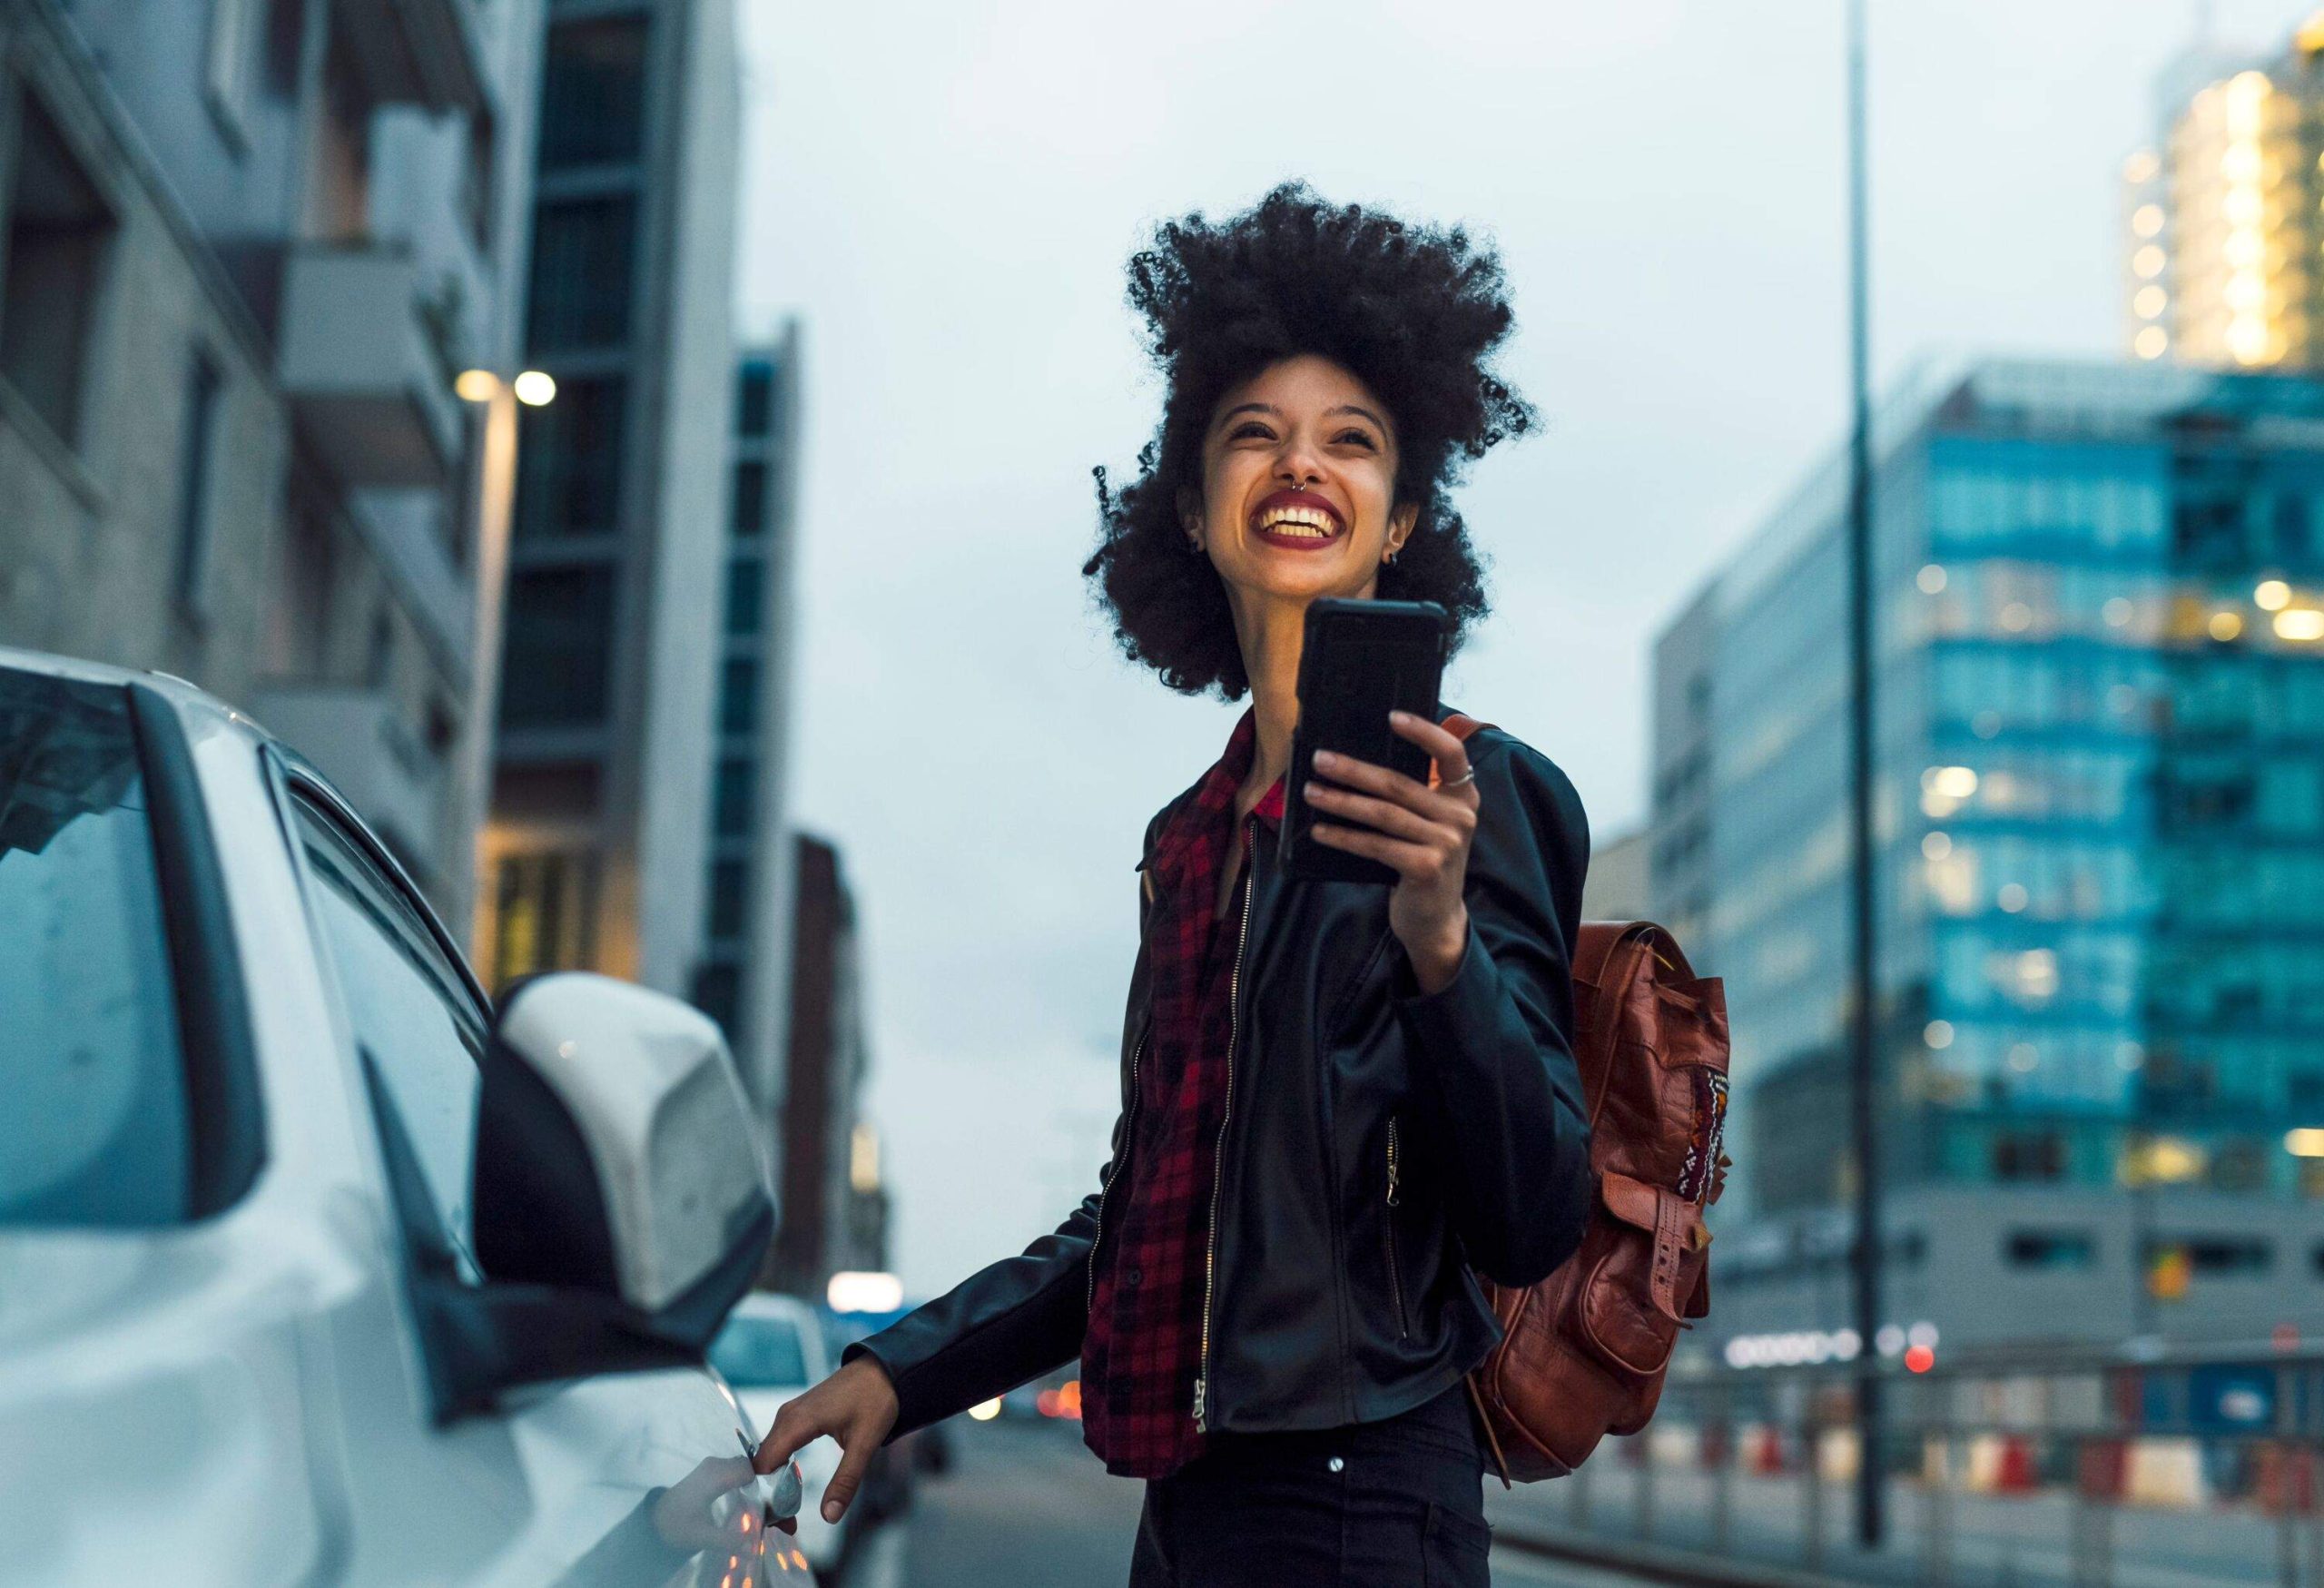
[[834, 1206], [2221, 229], [2099, 818], [249, 243], [1615, 887], [600, 800], [745, 980]]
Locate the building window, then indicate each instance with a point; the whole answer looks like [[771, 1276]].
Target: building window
[[593, 93], [582, 251], [732, 795], [750, 498], [746, 581], [569, 466], [717, 992], [2029, 1155], [545, 915], [554, 670], [738, 697], [729, 886], [197, 442], [230, 69], [2050, 1249], [2215, 1257], [754, 400], [59, 231]]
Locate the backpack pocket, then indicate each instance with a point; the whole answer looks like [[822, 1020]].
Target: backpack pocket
[[1643, 1275]]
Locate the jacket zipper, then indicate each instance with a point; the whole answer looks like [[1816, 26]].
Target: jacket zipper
[[1129, 1119], [1218, 1155], [1388, 1236]]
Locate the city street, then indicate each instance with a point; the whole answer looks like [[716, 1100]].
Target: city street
[[1026, 1506]]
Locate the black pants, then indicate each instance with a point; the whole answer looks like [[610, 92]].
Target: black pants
[[1398, 1503]]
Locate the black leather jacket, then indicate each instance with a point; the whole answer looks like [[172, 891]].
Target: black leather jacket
[[1377, 1142]]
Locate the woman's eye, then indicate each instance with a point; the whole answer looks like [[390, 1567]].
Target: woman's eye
[[1249, 428], [1356, 436]]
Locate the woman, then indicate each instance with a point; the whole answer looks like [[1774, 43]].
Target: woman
[[1337, 1097]]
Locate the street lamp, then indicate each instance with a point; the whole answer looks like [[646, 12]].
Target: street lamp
[[496, 491]]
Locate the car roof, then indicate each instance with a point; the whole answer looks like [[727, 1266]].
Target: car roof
[[190, 699], [187, 697]]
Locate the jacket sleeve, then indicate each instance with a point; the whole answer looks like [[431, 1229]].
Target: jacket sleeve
[[1494, 1047], [1007, 1323], [1013, 1320]]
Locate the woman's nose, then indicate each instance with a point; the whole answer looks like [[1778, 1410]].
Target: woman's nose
[[1298, 466]]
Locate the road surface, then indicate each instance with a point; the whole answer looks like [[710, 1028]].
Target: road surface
[[1026, 1505]]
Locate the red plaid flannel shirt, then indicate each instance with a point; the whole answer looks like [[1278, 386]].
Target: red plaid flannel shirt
[[1141, 1353]]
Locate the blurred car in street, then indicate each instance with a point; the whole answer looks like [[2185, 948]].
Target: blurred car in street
[[772, 1348], [320, 1268]]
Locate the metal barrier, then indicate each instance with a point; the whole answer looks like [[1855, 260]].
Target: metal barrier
[[2133, 1469]]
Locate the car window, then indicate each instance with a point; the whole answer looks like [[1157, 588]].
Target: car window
[[759, 1350], [95, 1129], [419, 1032]]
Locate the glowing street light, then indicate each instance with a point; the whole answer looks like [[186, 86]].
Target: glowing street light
[[496, 498]]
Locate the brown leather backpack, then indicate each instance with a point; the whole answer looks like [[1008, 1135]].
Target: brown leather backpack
[[1583, 1353]]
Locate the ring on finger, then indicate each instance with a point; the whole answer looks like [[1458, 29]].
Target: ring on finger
[[1468, 774]]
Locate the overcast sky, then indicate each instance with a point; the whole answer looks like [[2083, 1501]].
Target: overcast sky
[[945, 195]]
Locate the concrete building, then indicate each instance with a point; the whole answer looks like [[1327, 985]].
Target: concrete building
[[744, 981], [2099, 814], [600, 800], [2221, 227], [834, 1206], [1678, 830], [248, 245], [1615, 886]]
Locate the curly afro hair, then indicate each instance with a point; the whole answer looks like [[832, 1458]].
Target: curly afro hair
[[1413, 311]]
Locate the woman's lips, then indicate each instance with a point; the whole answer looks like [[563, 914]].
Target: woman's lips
[[1299, 520]]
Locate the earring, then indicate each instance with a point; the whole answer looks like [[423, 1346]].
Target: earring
[[1391, 556]]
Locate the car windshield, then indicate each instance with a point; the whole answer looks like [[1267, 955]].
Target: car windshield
[[94, 1131], [759, 1350]]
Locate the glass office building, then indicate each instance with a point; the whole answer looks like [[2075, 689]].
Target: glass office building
[[2099, 791]]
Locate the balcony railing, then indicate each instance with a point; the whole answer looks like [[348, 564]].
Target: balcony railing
[[2079, 1470], [364, 378], [416, 51], [356, 737]]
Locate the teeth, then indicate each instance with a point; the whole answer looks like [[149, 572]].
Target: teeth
[[1308, 522]]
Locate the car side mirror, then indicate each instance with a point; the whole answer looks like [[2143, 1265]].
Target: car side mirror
[[620, 1204], [615, 1152]]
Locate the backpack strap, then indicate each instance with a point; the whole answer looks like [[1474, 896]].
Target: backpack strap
[[1460, 724]]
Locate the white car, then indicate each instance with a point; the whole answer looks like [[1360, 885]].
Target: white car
[[315, 1268], [771, 1350]]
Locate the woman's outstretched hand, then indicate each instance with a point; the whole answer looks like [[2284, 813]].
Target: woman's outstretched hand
[[1423, 833], [855, 1405]]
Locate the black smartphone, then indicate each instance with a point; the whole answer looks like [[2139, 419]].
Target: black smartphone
[[1358, 661]]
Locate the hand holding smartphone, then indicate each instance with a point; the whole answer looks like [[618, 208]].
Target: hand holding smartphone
[[1358, 661]]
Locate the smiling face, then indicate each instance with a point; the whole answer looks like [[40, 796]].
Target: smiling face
[[1298, 493]]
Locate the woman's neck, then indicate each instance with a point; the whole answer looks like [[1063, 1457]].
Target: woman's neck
[[1270, 633]]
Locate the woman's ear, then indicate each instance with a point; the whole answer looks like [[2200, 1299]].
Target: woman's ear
[[1190, 516], [1399, 525]]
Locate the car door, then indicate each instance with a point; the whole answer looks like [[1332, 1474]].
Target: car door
[[614, 1478]]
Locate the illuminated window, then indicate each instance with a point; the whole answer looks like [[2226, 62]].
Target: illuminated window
[[2150, 302], [2147, 219], [2150, 343], [2148, 261]]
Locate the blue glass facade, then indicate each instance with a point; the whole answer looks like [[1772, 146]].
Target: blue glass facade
[[2100, 790]]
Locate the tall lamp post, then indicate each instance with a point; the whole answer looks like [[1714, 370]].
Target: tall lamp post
[[1864, 1025], [495, 500]]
